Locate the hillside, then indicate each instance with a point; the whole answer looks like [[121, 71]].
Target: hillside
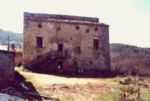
[[126, 58], [15, 38]]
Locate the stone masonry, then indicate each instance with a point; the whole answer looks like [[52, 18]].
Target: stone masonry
[[60, 43]]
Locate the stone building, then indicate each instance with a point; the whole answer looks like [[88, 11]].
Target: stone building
[[63, 43]]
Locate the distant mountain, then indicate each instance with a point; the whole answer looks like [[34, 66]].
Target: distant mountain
[[132, 59], [14, 38]]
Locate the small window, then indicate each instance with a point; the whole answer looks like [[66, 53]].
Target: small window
[[96, 29], [77, 27], [87, 30], [39, 25], [91, 62], [39, 42], [78, 49], [58, 28], [60, 47], [96, 44]]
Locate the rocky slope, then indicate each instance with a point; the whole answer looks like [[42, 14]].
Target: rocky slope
[[130, 59]]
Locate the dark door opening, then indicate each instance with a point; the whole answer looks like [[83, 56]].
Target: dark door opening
[[60, 47], [60, 67], [39, 42], [96, 44]]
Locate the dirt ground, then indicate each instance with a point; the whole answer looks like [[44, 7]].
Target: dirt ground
[[75, 89]]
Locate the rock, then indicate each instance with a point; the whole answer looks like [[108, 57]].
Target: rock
[[6, 97]]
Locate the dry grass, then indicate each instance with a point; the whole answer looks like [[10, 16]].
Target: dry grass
[[77, 89]]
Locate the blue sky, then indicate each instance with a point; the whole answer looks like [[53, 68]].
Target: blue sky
[[129, 20]]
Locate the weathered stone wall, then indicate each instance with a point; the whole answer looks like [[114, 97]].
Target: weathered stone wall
[[6, 67], [72, 34]]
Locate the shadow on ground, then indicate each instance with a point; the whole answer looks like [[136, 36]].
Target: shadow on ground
[[73, 73], [24, 89]]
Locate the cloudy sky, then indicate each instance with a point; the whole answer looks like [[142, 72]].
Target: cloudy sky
[[129, 20]]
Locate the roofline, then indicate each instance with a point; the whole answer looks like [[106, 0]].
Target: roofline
[[59, 17], [66, 21]]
